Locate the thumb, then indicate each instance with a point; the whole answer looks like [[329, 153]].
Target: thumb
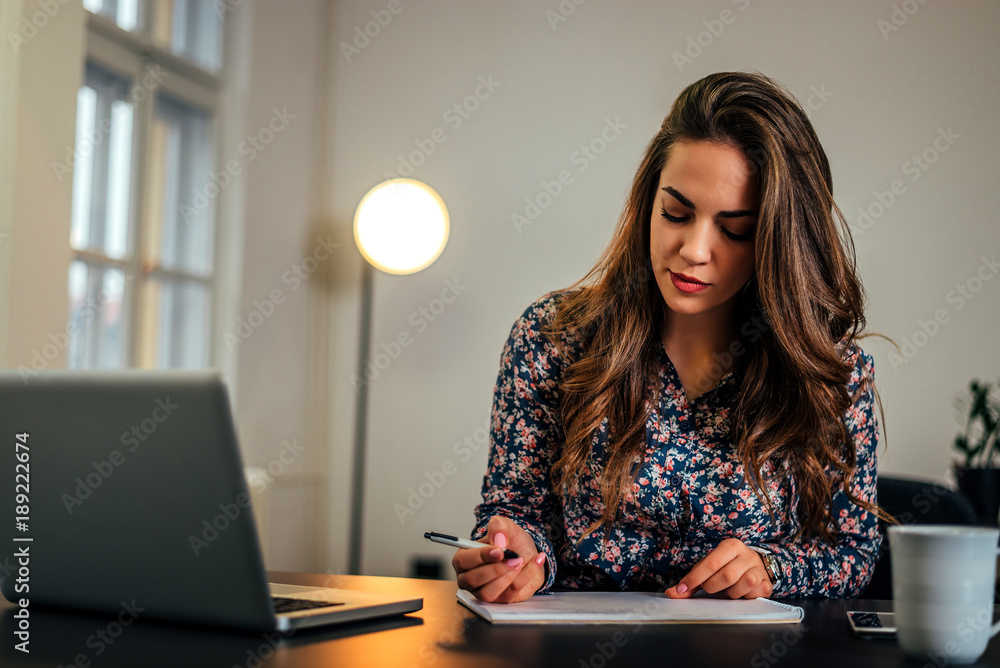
[[499, 530]]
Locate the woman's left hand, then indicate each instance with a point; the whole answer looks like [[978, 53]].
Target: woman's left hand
[[731, 567]]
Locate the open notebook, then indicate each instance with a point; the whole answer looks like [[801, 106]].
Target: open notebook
[[575, 607]]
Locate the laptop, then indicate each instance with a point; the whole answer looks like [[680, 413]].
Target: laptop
[[136, 500]]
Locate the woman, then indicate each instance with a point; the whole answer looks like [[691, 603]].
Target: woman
[[694, 413]]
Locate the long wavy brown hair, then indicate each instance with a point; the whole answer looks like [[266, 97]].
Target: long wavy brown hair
[[806, 303]]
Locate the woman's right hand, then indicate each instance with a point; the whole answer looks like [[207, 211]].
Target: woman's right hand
[[490, 578]]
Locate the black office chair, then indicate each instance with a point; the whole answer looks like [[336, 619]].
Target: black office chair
[[913, 501]]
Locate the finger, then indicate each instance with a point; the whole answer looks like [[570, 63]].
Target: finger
[[709, 565], [678, 591], [765, 591], [466, 559], [749, 583], [481, 566], [493, 589], [500, 525], [477, 577], [469, 560], [528, 581], [505, 533], [730, 574]]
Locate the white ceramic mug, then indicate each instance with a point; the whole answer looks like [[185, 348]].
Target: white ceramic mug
[[943, 579]]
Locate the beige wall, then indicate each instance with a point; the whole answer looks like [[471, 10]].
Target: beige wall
[[37, 122], [877, 100], [531, 89], [291, 250]]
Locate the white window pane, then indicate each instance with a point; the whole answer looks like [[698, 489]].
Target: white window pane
[[196, 32], [83, 167], [102, 166], [127, 14], [178, 30], [97, 317], [171, 172], [110, 303], [183, 312], [119, 179], [180, 151], [77, 350]]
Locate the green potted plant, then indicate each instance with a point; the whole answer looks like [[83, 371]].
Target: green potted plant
[[978, 476]]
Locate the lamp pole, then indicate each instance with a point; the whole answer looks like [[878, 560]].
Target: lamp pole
[[361, 419], [401, 227]]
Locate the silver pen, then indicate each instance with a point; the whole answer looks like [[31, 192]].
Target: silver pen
[[454, 541]]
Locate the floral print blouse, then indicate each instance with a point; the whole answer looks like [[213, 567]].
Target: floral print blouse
[[690, 494]]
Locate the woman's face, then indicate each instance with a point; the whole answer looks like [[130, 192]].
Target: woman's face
[[701, 238]]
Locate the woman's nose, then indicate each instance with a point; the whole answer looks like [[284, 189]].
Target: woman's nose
[[696, 246]]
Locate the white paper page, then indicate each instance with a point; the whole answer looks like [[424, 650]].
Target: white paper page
[[624, 607]]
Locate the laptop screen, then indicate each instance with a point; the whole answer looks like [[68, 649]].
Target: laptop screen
[[136, 497]]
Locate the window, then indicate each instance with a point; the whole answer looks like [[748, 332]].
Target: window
[[143, 229]]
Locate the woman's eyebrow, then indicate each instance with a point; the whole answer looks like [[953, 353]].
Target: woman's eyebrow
[[738, 213]]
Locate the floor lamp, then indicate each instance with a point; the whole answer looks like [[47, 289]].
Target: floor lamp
[[401, 227]]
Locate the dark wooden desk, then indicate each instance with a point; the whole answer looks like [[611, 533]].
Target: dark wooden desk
[[444, 634]]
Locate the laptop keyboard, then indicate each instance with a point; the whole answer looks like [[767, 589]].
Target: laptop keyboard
[[282, 604]]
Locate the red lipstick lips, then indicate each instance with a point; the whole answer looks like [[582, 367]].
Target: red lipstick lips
[[687, 284]]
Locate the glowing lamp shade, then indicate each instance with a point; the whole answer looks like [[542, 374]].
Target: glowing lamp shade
[[401, 226]]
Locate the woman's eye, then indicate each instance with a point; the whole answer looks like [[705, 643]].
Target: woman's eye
[[680, 219], [737, 237], [672, 219]]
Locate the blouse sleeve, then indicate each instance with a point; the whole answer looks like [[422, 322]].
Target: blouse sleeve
[[526, 434], [814, 567]]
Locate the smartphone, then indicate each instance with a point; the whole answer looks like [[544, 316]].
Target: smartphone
[[872, 624]]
